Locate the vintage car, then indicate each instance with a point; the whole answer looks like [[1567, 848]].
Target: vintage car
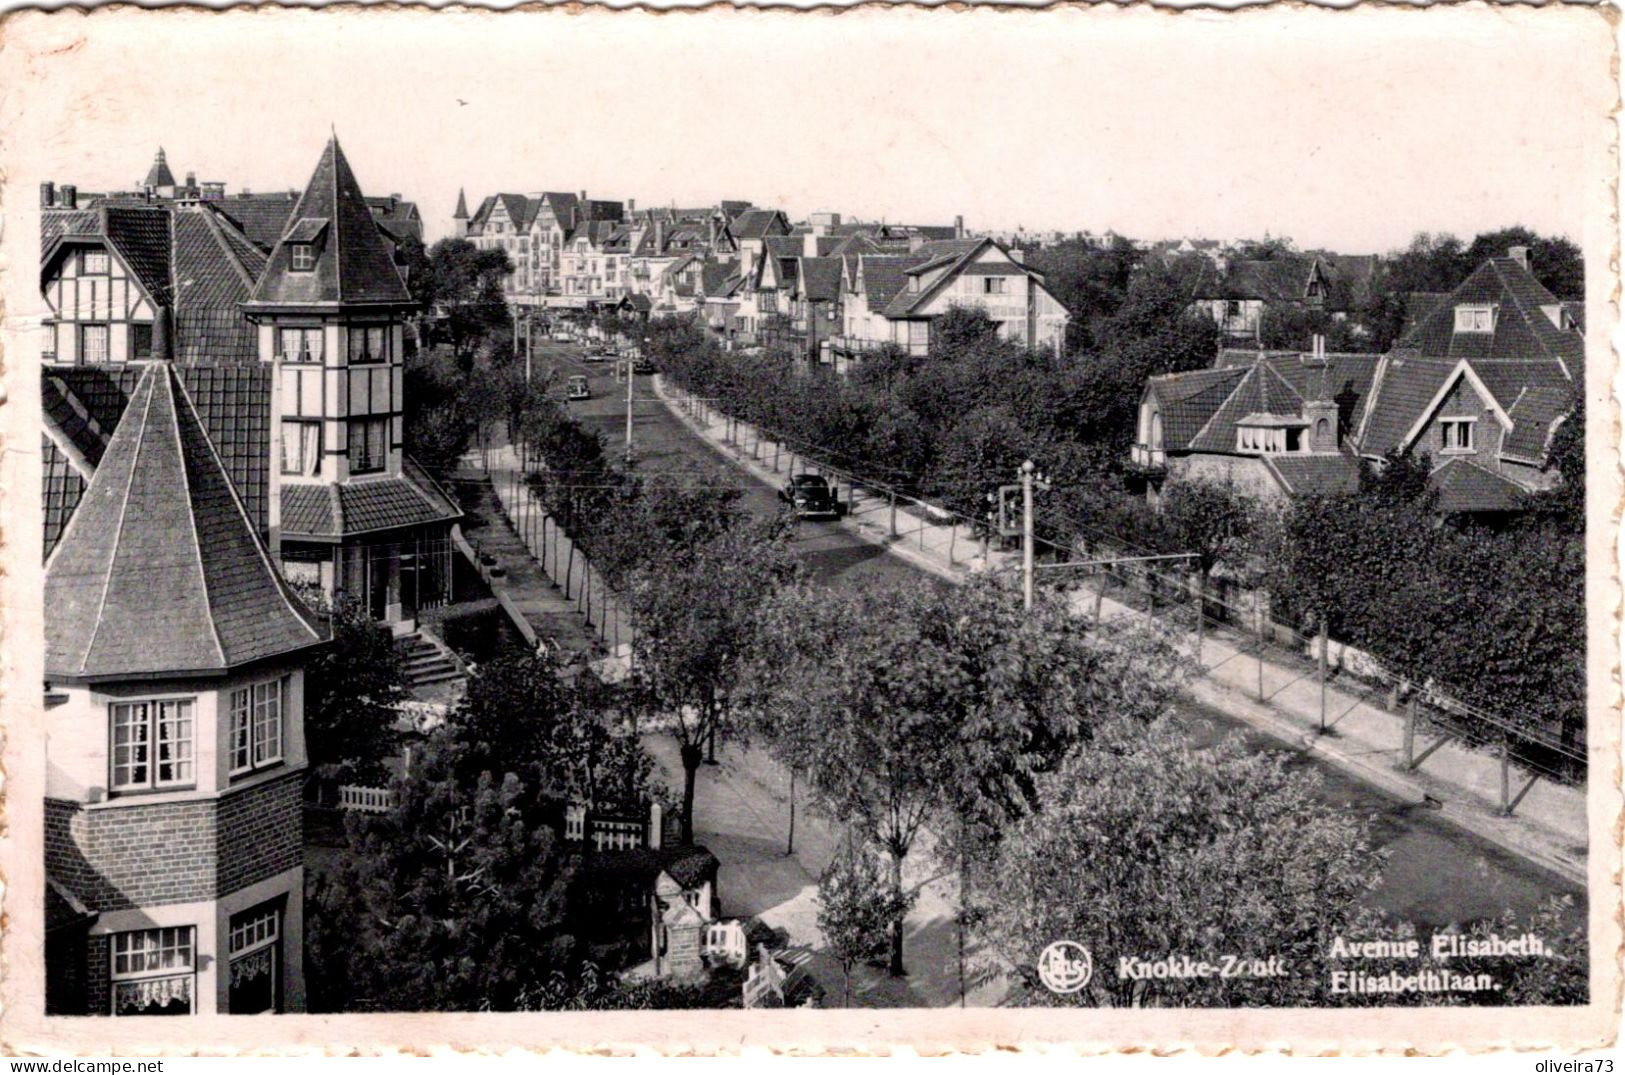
[[576, 388], [810, 495]]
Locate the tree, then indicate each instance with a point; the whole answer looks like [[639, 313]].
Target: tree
[[855, 910], [1088, 280], [464, 284], [1211, 519], [437, 425], [907, 702], [353, 692], [1554, 260], [520, 715], [1145, 846], [454, 900], [693, 615]]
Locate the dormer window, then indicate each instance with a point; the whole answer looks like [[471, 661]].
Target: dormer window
[[1475, 317], [1456, 434], [301, 257]]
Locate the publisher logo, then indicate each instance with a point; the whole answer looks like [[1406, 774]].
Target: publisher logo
[[1065, 967]]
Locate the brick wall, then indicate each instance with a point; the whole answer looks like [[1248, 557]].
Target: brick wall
[[98, 975], [261, 832], [136, 855]]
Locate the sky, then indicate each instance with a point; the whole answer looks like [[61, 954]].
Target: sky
[[1345, 130]]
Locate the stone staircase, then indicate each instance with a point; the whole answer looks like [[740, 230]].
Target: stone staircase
[[427, 660]]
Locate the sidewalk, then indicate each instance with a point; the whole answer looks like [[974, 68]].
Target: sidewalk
[[1548, 829]]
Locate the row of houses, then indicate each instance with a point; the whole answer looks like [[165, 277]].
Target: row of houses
[[1479, 385], [828, 289], [221, 454]]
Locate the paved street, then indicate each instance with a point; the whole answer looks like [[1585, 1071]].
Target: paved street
[[1436, 874]]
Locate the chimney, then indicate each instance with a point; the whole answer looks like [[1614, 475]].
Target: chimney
[[631, 206], [191, 179], [959, 227], [1520, 254], [70, 196], [655, 824], [47, 194]]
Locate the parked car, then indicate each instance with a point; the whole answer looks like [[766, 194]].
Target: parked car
[[810, 494], [576, 388], [561, 337], [597, 354]]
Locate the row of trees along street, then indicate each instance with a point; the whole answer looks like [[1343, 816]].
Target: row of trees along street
[[1033, 748], [952, 425]]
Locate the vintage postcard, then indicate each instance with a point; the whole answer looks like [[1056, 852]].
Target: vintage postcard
[[593, 529]]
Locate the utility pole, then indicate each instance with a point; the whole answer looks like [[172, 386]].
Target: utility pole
[[1027, 535], [629, 380]]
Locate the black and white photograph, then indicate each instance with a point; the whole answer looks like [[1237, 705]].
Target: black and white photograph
[[1078, 524]]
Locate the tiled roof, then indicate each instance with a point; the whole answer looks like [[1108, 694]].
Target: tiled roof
[[55, 223], [820, 279], [759, 224], [1406, 383], [334, 511], [950, 255], [1261, 391], [310, 509], [213, 275], [1188, 400], [353, 262], [62, 488], [883, 278], [714, 274], [1303, 475], [1534, 416], [159, 174], [233, 402], [262, 217], [70, 421], [1522, 330], [141, 236], [160, 572], [1465, 486]]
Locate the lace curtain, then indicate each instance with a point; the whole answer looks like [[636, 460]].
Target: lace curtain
[[151, 994]]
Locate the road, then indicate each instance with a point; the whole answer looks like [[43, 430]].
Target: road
[[1436, 874]]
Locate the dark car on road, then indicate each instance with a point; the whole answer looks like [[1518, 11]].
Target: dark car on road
[[810, 494]]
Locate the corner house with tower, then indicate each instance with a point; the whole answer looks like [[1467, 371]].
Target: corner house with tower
[[221, 434]]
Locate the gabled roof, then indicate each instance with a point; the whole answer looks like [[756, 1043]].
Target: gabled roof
[[1318, 475], [352, 262], [214, 268], [1463, 485], [141, 237], [1522, 329], [517, 206], [159, 174], [261, 217], [1188, 400], [1261, 393], [160, 571], [947, 256], [1409, 386], [819, 279], [883, 277], [759, 224]]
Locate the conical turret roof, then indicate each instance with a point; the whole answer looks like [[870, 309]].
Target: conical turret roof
[[159, 174], [462, 206], [160, 572], [352, 263]]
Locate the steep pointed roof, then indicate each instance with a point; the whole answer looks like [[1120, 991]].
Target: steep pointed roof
[[462, 206], [353, 264], [159, 174], [160, 572]]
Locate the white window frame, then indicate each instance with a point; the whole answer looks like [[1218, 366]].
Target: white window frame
[[1475, 317], [258, 725], [102, 265], [151, 722], [105, 333], [301, 257], [302, 338], [1465, 425], [173, 950]]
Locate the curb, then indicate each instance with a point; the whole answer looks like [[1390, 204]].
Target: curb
[[1262, 717]]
